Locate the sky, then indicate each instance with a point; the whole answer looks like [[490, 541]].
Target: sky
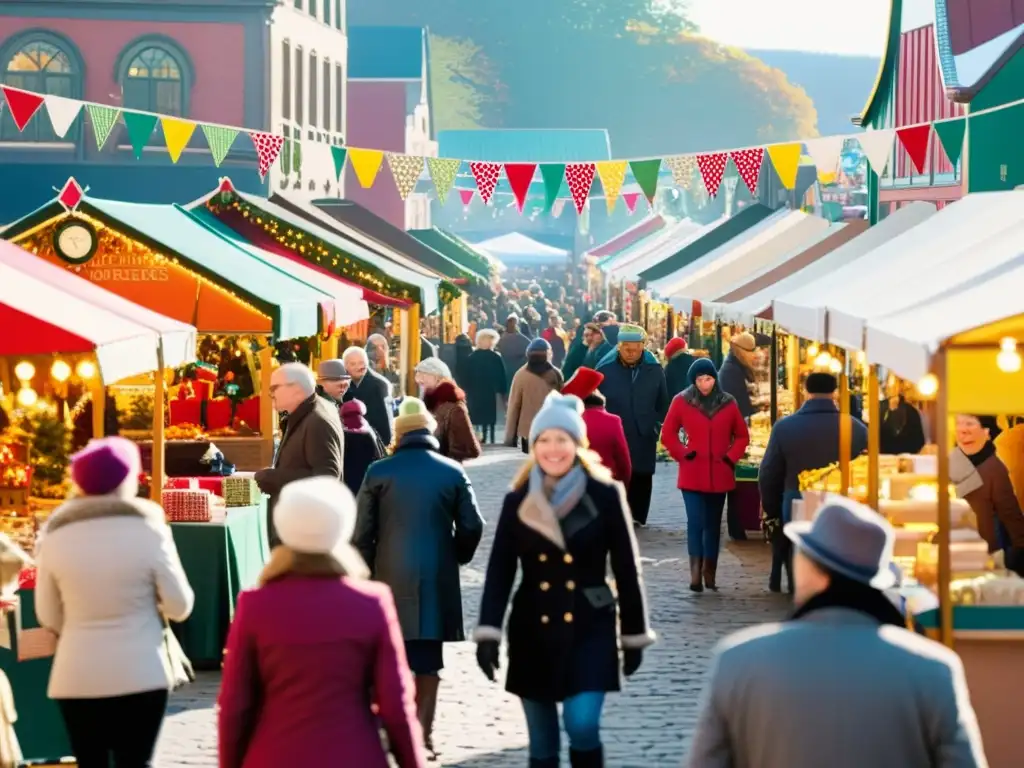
[[856, 27]]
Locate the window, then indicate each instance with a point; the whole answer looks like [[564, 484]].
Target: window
[[298, 4], [339, 17], [327, 94], [43, 66], [312, 8], [314, 95], [327, 12], [299, 103], [286, 80], [153, 82], [339, 99]]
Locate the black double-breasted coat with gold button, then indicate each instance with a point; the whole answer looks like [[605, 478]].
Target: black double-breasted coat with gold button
[[566, 623]]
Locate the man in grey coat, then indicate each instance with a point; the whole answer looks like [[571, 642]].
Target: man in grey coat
[[843, 684]]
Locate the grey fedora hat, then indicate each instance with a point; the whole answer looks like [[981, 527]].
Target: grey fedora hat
[[850, 539], [332, 370]]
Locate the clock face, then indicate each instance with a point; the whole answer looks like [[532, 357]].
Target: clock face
[[76, 242]]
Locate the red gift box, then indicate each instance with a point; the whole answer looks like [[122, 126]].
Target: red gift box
[[186, 506], [185, 411], [213, 484], [218, 413], [249, 411]]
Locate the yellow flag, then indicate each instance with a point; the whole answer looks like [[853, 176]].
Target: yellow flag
[[366, 163], [613, 175], [827, 178], [786, 159], [177, 134]]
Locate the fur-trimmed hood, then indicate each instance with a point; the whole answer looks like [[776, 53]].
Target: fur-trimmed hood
[[445, 392], [709, 405], [84, 508]]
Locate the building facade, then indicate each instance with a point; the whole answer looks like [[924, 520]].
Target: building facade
[[389, 99]]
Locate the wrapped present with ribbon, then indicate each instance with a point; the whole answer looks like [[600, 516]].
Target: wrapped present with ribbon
[[187, 506], [241, 490], [185, 410], [249, 411], [214, 485], [218, 413]]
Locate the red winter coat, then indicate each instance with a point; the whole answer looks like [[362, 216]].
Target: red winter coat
[[608, 440], [713, 444]]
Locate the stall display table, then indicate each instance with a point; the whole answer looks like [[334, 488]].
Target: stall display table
[[743, 511]]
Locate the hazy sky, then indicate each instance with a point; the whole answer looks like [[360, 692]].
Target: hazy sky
[[853, 27]]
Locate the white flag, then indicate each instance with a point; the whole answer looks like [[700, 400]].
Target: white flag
[[877, 145], [825, 152], [63, 112]]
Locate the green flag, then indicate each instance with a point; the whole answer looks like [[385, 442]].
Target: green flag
[[645, 172], [338, 154], [219, 139], [553, 175], [103, 119], [951, 135], [140, 127]]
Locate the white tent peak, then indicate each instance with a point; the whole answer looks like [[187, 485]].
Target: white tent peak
[[518, 244]]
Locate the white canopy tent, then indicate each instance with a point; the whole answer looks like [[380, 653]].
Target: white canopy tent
[[746, 309], [516, 249], [716, 273], [645, 254], [966, 239]]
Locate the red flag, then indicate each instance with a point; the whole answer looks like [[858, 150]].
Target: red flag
[[580, 178], [631, 199], [486, 177], [466, 196], [712, 169], [23, 105], [520, 176], [915, 140], [268, 147], [748, 163]]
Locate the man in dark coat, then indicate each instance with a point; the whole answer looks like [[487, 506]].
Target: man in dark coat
[[677, 366], [417, 522], [485, 384], [807, 439], [512, 348], [736, 376], [312, 443], [635, 391], [370, 388]]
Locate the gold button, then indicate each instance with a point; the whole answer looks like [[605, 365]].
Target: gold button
[[544, 586], [568, 618], [567, 558], [570, 585], [543, 558], [544, 619]]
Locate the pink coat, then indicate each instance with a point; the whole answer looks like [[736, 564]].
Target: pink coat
[[302, 656]]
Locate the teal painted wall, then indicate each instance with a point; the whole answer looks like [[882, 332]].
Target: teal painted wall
[[996, 159]]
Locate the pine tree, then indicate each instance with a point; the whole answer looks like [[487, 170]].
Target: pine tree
[[51, 447]]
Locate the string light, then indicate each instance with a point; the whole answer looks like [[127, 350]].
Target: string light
[[86, 369], [928, 386], [27, 397], [60, 371], [24, 371], [1008, 359]]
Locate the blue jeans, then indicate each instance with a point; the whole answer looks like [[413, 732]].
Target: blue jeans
[[703, 523], [581, 715]]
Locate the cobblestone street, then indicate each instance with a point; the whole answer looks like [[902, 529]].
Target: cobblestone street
[[649, 724]]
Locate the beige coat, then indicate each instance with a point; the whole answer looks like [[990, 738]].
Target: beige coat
[[525, 399], [108, 568]]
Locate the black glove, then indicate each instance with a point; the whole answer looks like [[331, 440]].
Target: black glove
[[487, 657], [632, 658]]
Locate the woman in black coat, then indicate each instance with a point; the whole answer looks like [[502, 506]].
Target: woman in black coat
[[463, 349], [485, 383], [563, 522], [363, 446]]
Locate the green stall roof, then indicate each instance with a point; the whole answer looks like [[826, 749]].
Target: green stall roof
[[458, 251]]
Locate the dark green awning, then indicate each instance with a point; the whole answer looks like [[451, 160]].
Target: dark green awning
[[455, 250]]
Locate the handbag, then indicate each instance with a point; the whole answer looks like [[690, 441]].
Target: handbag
[[176, 664]]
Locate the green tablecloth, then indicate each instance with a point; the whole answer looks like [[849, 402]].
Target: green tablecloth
[[220, 561]]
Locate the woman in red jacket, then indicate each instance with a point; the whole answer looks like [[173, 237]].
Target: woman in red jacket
[[714, 438], [605, 435]]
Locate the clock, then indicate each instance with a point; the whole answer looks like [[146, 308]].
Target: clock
[[75, 241]]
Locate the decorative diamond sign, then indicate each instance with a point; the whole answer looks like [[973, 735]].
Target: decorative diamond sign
[[71, 195]]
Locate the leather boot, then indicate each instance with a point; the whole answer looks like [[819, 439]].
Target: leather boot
[[710, 568], [426, 708], [593, 758], [696, 566]]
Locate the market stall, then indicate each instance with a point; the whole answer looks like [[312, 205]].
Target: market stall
[[515, 249], [628, 263]]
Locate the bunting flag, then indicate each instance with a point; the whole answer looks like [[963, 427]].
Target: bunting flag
[[103, 119], [520, 176], [646, 174], [915, 139], [338, 157], [486, 176], [553, 174], [825, 151], [139, 126], [63, 112], [406, 170], [683, 168], [178, 133], [268, 147], [366, 164], [748, 162], [631, 199], [951, 136], [712, 169], [580, 178], [443, 172], [466, 195], [219, 139], [877, 146], [613, 175], [22, 104], [785, 159]]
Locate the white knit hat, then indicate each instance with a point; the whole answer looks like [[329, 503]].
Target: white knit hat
[[564, 412], [433, 366], [317, 516]]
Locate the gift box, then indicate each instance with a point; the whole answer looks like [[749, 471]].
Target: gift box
[[241, 491], [249, 411], [187, 506], [218, 413], [185, 411], [214, 485]]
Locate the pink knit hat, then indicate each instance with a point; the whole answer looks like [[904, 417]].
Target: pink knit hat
[[104, 465], [353, 415]]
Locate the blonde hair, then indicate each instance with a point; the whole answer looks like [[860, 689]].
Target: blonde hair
[[587, 458], [284, 561]]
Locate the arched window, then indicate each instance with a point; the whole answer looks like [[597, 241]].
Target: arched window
[[41, 63], [154, 81]]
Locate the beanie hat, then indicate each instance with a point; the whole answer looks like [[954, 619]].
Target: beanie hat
[[353, 415], [674, 346], [317, 516], [105, 465], [743, 341], [413, 415], [564, 412], [991, 423], [583, 383], [538, 346], [434, 366], [821, 383], [631, 333], [702, 366]]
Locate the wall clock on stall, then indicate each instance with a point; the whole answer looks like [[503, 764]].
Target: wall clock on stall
[[75, 241]]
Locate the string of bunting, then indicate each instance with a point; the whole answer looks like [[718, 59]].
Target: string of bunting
[[580, 178]]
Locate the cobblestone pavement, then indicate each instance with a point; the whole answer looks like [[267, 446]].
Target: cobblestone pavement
[[648, 725]]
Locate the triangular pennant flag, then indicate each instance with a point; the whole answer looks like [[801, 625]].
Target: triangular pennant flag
[[580, 178], [613, 175], [520, 176], [824, 151], [23, 105], [338, 155], [646, 174], [219, 139], [443, 172], [712, 169], [631, 199], [406, 170], [103, 119], [951, 136], [178, 133], [268, 147], [877, 146], [140, 127], [748, 163], [466, 196], [63, 112], [682, 167], [915, 139], [553, 175], [486, 176], [786, 161], [366, 164]]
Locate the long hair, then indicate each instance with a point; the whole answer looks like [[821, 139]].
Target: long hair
[[285, 560], [589, 460]]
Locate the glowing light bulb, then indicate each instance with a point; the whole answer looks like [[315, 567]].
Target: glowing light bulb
[[27, 397], [85, 369], [60, 371], [24, 371], [812, 351], [835, 366], [928, 386], [824, 360], [1008, 359]]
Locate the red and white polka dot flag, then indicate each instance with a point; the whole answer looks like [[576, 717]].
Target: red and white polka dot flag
[[486, 177], [268, 147], [748, 163], [580, 178], [712, 169]]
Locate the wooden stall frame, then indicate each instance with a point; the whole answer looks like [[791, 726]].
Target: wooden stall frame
[[156, 485], [942, 435], [874, 436]]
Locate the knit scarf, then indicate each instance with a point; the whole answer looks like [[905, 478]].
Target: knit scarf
[[548, 501]]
